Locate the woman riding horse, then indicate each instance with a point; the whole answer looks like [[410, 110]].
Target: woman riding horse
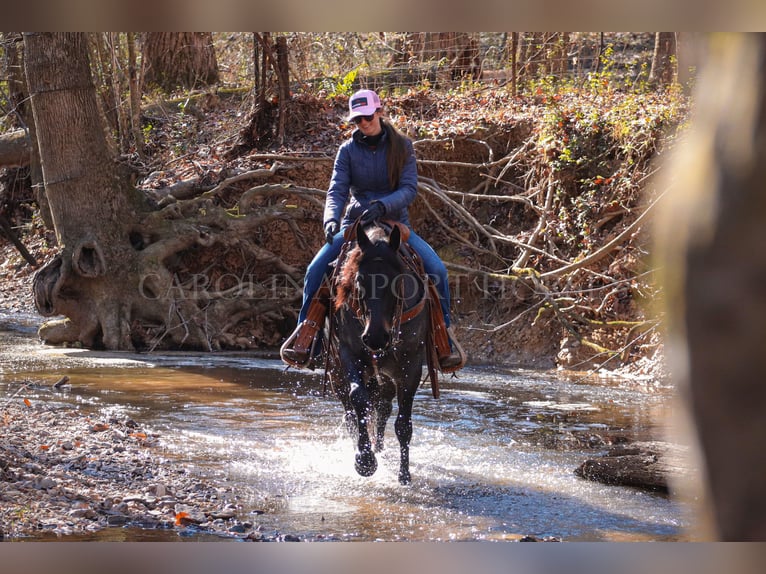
[[375, 173]]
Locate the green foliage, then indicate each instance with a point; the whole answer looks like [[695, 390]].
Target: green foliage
[[598, 143], [147, 130], [602, 80], [345, 87]]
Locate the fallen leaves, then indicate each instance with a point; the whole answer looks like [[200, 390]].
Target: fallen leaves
[[180, 518]]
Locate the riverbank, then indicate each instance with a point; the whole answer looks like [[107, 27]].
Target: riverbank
[[64, 472]]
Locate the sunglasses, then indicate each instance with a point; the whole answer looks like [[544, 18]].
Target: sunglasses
[[358, 119]]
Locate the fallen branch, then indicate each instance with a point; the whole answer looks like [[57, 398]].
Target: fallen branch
[[14, 149]]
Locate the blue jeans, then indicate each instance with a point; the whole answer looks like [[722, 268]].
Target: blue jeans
[[320, 266]]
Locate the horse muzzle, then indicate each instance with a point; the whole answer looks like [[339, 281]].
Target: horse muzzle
[[377, 343]]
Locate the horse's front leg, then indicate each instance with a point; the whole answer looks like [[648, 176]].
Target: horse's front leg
[[384, 409], [403, 427], [365, 462]]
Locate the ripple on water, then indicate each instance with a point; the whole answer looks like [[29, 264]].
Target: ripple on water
[[272, 438]]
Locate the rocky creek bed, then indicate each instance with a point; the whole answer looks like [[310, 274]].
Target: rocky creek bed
[[64, 472]]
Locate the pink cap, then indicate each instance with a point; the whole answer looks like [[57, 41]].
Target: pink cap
[[363, 103]]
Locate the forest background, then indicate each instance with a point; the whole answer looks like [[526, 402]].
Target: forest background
[[538, 156]]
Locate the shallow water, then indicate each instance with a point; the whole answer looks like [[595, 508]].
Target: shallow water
[[486, 458]]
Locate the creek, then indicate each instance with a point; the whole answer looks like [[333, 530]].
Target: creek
[[491, 459]]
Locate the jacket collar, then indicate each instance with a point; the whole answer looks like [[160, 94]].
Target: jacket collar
[[360, 138]]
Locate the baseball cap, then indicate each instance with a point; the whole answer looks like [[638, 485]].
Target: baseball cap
[[363, 103]]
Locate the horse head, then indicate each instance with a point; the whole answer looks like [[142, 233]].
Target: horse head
[[377, 280]]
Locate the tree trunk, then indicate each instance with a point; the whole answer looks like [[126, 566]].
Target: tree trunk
[[283, 82], [515, 62], [134, 89], [19, 97], [179, 59], [710, 247], [662, 71], [91, 206], [132, 275]]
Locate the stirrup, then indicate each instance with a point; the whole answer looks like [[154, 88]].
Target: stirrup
[[294, 352], [456, 359]]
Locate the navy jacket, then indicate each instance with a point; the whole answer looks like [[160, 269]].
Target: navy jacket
[[360, 176]]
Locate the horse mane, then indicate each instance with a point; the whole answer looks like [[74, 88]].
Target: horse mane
[[346, 277]]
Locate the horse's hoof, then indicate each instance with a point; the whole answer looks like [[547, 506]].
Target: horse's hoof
[[366, 464], [404, 477]]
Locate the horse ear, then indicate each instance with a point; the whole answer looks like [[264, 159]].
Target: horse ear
[[362, 239], [395, 238]]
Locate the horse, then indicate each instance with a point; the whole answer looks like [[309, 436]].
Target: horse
[[378, 335]]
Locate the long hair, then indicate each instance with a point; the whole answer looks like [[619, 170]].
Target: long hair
[[397, 153]]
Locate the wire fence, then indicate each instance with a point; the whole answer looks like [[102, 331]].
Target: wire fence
[[397, 61]]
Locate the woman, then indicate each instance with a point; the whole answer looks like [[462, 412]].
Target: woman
[[375, 176]]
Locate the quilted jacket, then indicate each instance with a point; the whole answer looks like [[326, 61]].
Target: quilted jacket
[[360, 176]]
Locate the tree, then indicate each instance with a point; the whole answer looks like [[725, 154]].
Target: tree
[[179, 59], [271, 95], [707, 245], [125, 276], [459, 51], [19, 99], [663, 70]]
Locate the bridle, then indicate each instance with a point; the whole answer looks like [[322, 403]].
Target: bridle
[[400, 315]]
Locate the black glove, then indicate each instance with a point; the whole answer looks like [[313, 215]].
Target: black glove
[[375, 211], [331, 228]]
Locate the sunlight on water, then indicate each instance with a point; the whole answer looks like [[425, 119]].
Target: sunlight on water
[[482, 461], [464, 486]]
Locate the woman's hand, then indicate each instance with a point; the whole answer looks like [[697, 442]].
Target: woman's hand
[[375, 211], [331, 229]]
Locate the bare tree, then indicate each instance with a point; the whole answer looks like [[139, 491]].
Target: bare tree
[[663, 69], [19, 99]]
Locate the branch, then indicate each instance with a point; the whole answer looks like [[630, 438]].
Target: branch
[[309, 193], [606, 249], [433, 188], [14, 149], [542, 222]]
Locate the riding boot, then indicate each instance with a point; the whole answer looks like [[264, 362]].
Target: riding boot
[[302, 345], [456, 358]]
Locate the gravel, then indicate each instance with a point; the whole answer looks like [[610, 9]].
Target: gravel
[[65, 473]]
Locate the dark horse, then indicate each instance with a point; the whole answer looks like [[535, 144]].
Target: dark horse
[[378, 336]]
